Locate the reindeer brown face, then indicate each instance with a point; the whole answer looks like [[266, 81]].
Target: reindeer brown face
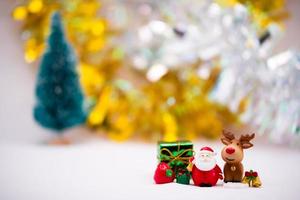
[[233, 151]]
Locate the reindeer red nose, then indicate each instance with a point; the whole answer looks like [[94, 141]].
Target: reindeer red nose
[[230, 150]]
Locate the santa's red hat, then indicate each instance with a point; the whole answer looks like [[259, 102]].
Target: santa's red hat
[[207, 150]]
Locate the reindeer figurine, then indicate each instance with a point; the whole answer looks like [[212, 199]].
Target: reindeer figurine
[[233, 155]]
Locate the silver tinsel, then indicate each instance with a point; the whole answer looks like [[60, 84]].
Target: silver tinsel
[[171, 35]]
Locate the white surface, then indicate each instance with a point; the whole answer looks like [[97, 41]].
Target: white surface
[[105, 170], [97, 169]]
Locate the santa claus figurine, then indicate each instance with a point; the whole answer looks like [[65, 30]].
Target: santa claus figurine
[[205, 171]]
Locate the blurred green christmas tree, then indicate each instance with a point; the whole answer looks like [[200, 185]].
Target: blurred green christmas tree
[[59, 96]]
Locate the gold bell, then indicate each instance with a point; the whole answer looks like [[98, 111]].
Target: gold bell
[[190, 167], [244, 180], [256, 182]]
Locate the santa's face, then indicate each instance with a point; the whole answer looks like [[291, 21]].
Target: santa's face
[[205, 161]]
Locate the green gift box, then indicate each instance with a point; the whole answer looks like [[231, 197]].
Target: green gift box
[[183, 178], [177, 155]]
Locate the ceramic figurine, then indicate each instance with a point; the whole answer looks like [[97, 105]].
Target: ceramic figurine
[[233, 154], [204, 169]]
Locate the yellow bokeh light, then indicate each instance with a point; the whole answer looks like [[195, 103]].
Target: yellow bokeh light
[[95, 44], [122, 129], [98, 113], [31, 55], [88, 8], [31, 50], [227, 2], [20, 13], [35, 6], [170, 128], [98, 28], [91, 79]]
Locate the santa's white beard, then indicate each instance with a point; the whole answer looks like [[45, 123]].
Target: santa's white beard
[[205, 164]]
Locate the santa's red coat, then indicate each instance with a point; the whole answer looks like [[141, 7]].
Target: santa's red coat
[[206, 177]]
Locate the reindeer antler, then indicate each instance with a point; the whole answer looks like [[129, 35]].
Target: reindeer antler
[[228, 135], [247, 138]]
